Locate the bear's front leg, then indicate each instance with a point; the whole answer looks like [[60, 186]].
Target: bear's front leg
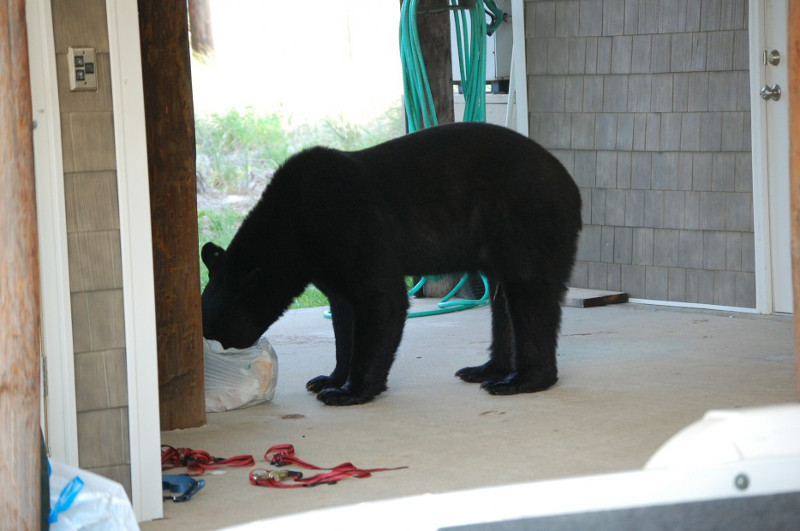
[[378, 318], [342, 319]]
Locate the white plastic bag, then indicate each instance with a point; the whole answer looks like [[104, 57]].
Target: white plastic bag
[[238, 378], [91, 501]]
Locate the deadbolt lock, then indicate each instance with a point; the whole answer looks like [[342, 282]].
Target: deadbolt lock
[[771, 57]]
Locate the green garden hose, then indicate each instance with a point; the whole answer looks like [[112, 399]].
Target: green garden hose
[[471, 32]]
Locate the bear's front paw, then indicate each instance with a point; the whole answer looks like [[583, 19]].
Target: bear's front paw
[[483, 373], [315, 385], [516, 383], [348, 396]]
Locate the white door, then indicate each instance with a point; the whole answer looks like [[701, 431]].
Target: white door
[[770, 114]]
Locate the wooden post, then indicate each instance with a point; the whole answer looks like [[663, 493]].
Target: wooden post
[[169, 118], [793, 56], [200, 22], [20, 436]]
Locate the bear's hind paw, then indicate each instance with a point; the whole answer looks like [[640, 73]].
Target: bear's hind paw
[[516, 384], [337, 396], [482, 373]]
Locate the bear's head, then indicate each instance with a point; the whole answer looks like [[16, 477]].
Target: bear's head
[[233, 311]]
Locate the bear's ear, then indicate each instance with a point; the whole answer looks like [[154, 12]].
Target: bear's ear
[[212, 255]]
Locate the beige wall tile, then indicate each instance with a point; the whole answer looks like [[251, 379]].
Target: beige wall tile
[[116, 377], [91, 392], [81, 333], [121, 474], [66, 143], [80, 24], [106, 319], [103, 438], [92, 202], [95, 262], [101, 380], [92, 140]]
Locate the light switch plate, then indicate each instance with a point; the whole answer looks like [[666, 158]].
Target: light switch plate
[[82, 69]]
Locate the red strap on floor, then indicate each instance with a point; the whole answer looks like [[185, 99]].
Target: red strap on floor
[[283, 454], [198, 461]]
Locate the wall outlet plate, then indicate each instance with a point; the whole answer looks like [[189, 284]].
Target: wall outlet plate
[[82, 69]]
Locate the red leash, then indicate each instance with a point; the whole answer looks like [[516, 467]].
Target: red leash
[[283, 454], [198, 461]]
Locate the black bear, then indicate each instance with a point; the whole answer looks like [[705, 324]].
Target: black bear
[[453, 198]]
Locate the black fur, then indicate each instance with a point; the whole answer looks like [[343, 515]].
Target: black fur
[[453, 198]]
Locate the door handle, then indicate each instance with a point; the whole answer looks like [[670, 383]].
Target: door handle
[[771, 93]]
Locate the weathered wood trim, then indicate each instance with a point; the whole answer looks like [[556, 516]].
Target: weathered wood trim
[[793, 56], [20, 320]]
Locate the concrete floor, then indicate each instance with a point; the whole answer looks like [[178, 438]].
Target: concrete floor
[[631, 376]]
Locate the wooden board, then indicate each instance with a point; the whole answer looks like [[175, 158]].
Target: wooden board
[[20, 307], [794, 143], [590, 298]]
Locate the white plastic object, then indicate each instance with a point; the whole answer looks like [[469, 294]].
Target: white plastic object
[[100, 503], [733, 435], [237, 378]]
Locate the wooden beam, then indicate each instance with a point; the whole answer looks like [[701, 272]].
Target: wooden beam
[[793, 58], [200, 25], [20, 436], [169, 117]]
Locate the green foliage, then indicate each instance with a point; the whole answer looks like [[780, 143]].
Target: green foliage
[[237, 152], [347, 136], [310, 298]]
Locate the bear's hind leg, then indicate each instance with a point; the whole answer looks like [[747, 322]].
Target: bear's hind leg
[[500, 363], [342, 319], [535, 313], [379, 315]]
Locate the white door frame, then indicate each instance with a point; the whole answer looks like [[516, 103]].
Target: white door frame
[[518, 66], [136, 247], [763, 226], [137, 257], [60, 423]]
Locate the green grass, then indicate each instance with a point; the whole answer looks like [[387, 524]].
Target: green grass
[[238, 152]]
